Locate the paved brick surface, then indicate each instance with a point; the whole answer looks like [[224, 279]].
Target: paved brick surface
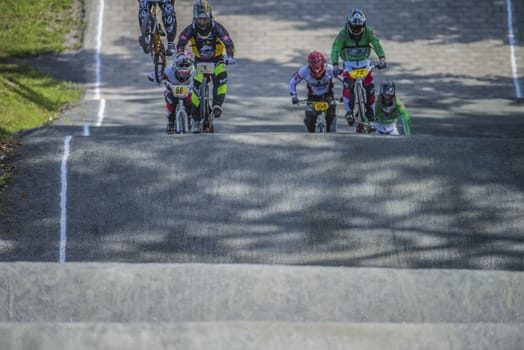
[[450, 91], [443, 54], [251, 195], [442, 47], [451, 60]]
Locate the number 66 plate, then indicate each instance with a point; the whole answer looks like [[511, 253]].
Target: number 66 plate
[[180, 90]]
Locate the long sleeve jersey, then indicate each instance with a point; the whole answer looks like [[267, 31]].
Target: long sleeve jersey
[[316, 87], [207, 47], [169, 75], [348, 50], [399, 112]]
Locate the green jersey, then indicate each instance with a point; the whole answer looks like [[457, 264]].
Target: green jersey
[[348, 50], [398, 112]]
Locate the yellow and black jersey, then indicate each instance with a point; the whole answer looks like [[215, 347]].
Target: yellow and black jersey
[[209, 46]]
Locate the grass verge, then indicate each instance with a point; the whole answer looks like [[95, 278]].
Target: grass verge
[[37, 27], [28, 98]]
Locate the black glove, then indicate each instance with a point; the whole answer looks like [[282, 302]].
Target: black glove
[[382, 65], [337, 71], [294, 99]]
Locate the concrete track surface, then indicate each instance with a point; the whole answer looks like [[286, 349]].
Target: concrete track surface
[[262, 236], [204, 306]]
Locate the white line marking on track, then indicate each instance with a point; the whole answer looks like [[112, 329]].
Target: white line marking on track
[[63, 199], [512, 43], [101, 110], [98, 68], [67, 140], [98, 60]]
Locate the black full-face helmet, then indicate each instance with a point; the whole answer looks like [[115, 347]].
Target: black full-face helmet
[[202, 15], [356, 24]]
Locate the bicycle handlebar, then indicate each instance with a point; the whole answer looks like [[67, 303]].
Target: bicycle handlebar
[[306, 101], [371, 67]]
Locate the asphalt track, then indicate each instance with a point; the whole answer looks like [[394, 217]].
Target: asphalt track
[[441, 210]]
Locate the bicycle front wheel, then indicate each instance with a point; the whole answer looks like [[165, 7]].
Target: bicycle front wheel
[[361, 111], [182, 121], [160, 65], [146, 36], [205, 108], [321, 125]]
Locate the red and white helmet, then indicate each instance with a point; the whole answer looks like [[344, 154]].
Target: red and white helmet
[[183, 69], [317, 64]]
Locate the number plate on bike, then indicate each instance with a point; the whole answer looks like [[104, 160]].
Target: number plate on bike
[[319, 106], [205, 68], [358, 73], [180, 90]]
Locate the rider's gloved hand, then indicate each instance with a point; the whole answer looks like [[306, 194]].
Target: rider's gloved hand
[[382, 64], [230, 60], [294, 99], [337, 71]]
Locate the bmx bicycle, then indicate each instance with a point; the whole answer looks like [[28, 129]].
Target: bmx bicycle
[[151, 39], [359, 95], [182, 119], [320, 109]]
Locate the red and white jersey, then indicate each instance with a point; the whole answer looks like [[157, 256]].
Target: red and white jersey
[[169, 75], [316, 87]]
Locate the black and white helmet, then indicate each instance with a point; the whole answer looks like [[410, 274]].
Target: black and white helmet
[[183, 69], [356, 24], [388, 99]]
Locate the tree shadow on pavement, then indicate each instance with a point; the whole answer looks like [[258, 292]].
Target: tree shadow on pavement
[[281, 199]]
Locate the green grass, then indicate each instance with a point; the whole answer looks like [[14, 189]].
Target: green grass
[[28, 98], [35, 27]]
